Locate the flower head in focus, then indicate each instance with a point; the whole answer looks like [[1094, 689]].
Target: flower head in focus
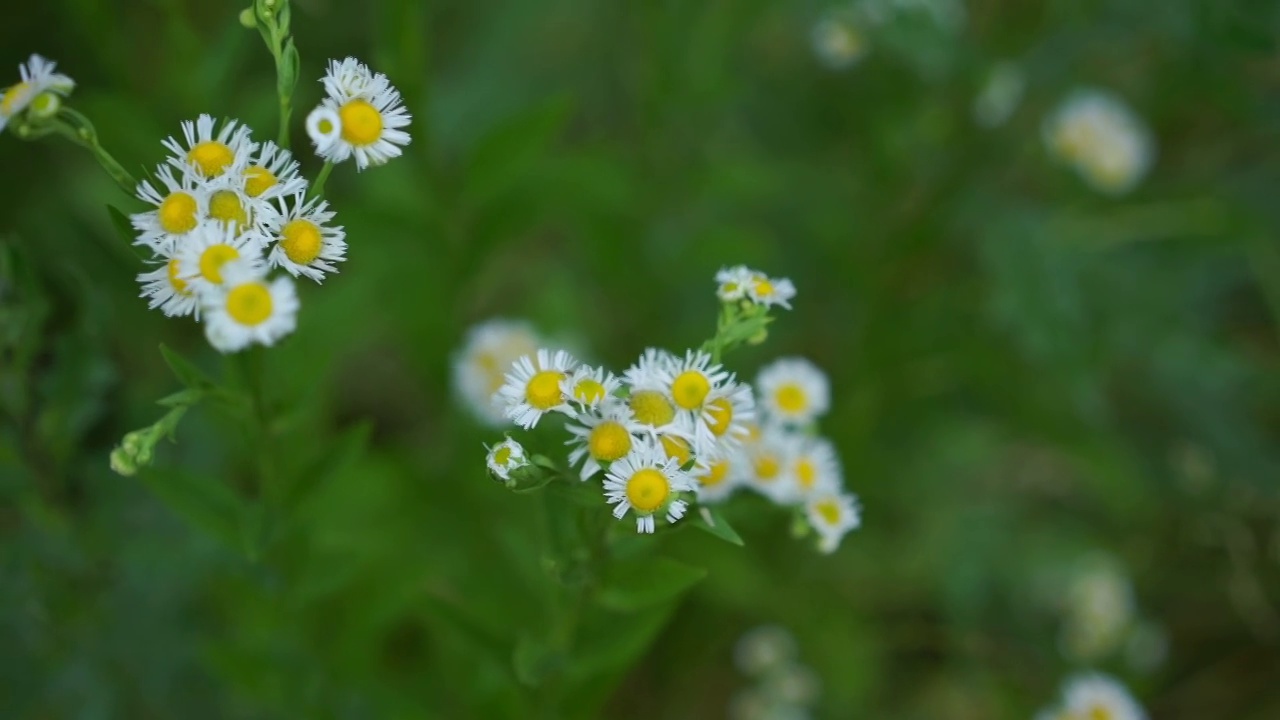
[[505, 457], [370, 116]]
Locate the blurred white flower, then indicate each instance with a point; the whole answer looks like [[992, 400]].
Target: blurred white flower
[[1096, 133], [838, 41], [1000, 95], [480, 365], [763, 649], [793, 390], [1098, 697], [37, 79], [1098, 609]]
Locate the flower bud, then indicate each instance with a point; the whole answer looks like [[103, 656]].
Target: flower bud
[[248, 19], [121, 463]]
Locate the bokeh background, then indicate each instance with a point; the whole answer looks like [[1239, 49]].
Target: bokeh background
[[1027, 374]]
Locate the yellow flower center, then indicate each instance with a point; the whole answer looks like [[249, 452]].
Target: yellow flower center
[[647, 490], [13, 96], [764, 288], [178, 283], [828, 510], [1100, 712], [257, 180], [543, 390], [651, 408], [361, 123], [301, 241], [716, 474], [225, 206], [754, 432], [790, 398], [729, 288], [767, 467], [502, 455], [609, 441], [177, 213], [721, 411], [589, 391], [212, 260], [806, 473], [677, 448], [249, 304], [690, 388], [211, 158]]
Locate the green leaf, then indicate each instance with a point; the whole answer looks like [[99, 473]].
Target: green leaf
[[206, 502], [349, 447], [186, 372], [711, 521], [647, 581], [190, 396], [534, 660], [509, 151]]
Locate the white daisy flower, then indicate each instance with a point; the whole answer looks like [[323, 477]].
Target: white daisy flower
[[731, 283], [602, 435], [767, 291], [764, 649], [650, 393], [692, 384], [180, 204], [505, 457], [793, 390], [1095, 132], [370, 114], [209, 155], [207, 250], [833, 514], [532, 387], [229, 204], [676, 440], [769, 465], [325, 129], [164, 288], [838, 41], [247, 308], [726, 417], [479, 367], [815, 467], [646, 482], [302, 239], [37, 77], [1098, 697], [271, 173], [719, 476], [588, 387]]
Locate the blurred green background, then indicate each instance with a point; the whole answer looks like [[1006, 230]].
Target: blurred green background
[[1025, 373]]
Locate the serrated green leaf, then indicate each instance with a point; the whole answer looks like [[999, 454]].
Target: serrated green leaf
[[647, 581], [186, 372], [711, 521]]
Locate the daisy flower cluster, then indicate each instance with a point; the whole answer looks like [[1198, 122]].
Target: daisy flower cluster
[[783, 686], [38, 93], [480, 365], [1094, 697], [231, 221], [1107, 144], [676, 429]]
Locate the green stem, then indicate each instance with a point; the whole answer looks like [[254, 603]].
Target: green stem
[[78, 129], [251, 370], [317, 187], [286, 110]]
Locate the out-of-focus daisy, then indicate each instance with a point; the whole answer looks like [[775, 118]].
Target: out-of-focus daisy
[[210, 155], [764, 649], [832, 514], [588, 387], [1097, 697], [1000, 95], [815, 467], [325, 129], [480, 366], [302, 238], [732, 283], [246, 308], [505, 457], [793, 390], [370, 115], [205, 252], [272, 172], [1107, 143], [838, 41], [767, 291], [1098, 609], [769, 466], [647, 483], [601, 436], [180, 204], [726, 416], [532, 387], [164, 288], [719, 476], [37, 77]]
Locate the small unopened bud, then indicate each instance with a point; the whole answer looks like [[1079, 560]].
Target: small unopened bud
[[248, 19], [758, 337], [45, 106], [121, 463], [132, 442]]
